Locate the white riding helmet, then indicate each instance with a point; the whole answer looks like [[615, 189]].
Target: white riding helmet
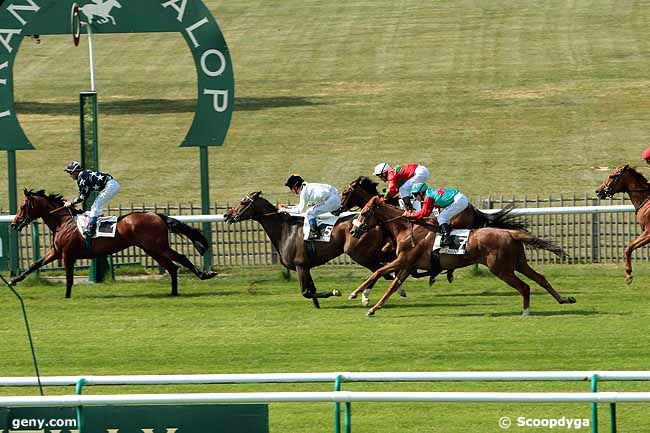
[[381, 169]]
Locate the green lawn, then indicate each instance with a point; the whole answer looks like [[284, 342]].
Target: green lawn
[[496, 97], [254, 321]]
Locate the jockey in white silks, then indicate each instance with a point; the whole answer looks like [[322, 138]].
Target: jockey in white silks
[[315, 199]]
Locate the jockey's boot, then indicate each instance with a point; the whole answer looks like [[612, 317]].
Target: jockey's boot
[[314, 233], [446, 235], [407, 203], [91, 228]]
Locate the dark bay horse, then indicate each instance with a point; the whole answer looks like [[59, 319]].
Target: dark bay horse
[[147, 230], [286, 234], [626, 179], [501, 250]]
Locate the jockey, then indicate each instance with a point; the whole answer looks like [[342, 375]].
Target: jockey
[[89, 181], [315, 199], [451, 201], [400, 180], [646, 155]]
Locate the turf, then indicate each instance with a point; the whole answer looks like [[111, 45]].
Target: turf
[[255, 321], [496, 97]]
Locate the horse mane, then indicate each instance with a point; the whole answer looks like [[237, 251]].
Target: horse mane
[[56, 198], [367, 184], [637, 175]]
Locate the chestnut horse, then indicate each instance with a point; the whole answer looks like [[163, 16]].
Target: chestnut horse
[[501, 250], [149, 231], [626, 179], [286, 234]]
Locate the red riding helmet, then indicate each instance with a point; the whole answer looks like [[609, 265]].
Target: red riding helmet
[[646, 153]]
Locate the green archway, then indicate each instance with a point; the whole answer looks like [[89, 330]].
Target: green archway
[[191, 18]]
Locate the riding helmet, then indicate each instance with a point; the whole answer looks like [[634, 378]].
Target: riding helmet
[[294, 180], [381, 169], [646, 153], [72, 167], [418, 188]]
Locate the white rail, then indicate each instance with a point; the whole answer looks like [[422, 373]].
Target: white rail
[[468, 376], [335, 396], [216, 218]]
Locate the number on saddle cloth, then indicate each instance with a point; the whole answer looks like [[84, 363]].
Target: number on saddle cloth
[[459, 242]]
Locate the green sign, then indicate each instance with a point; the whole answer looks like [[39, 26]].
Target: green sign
[[4, 247], [191, 18], [221, 418]]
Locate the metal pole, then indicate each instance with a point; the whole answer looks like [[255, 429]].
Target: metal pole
[[594, 406], [91, 57], [348, 417], [337, 406], [14, 267], [612, 417], [36, 249], [205, 205], [78, 390]]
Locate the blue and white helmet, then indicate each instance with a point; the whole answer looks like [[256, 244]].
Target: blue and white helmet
[[381, 169], [72, 167]]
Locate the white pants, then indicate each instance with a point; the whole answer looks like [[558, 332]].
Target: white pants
[[109, 191], [332, 203], [420, 175], [460, 204]]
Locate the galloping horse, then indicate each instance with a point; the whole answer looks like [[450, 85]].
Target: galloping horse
[[149, 231], [286, 234], [501, 250], [626, 179], [101, 9]]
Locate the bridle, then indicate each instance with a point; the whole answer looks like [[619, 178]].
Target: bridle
[[248, 205], [607, 189], [25, 219]]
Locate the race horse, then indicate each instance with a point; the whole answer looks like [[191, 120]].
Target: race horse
[[627, 180], [286, 235], [147, 230], [501, 250], [362, 189], [101, 9]]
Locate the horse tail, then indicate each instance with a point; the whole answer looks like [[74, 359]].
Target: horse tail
[[532, 241], [502, 219], [198, 240]]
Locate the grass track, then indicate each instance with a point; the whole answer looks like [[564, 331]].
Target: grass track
[[254, 321], [497, 97]]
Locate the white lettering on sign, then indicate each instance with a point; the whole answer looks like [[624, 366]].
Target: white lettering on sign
[[5, 113], [180, 9], [193, 27], [32, 7], [167, 430], [222, 61], [6, 35], [1, 255], [218, 106], [3, 81]]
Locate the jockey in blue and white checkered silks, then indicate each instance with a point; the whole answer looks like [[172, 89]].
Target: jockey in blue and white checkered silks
[[89, 181], [315, 199]]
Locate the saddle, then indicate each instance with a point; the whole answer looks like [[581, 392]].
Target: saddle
[[325, 223], [459, 242], [106, 226]]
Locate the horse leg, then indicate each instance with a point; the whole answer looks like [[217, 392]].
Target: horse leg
[[372, 280], [68, 264], [171, 269], [643, 239], [401, 276], [531, 273], [183, 260], [512, 280], [48, 258]]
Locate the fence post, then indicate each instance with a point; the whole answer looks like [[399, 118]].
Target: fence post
[[595, 234], [594, 406], [36, 250]]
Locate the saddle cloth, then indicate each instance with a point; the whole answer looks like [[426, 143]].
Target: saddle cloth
[[325, 223], [459, 242], [106, 226]]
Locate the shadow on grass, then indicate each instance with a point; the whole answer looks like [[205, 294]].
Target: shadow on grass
[[409, 305], [532, 313], [163, 295], [161, 106]]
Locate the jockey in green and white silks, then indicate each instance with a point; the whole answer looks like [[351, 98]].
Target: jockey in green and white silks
[[315, 199], [449, 200]]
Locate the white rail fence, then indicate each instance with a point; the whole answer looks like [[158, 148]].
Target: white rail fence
[[337, 396], [588, 233]]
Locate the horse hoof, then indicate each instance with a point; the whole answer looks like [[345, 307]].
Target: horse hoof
[[352, 296], [628, 280], [572, 300], [370, 313], [526, 313], [336, 292], [402, 293], [209, 275], [365, 302]]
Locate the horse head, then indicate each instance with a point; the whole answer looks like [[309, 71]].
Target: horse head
[[366, 219], [35, 205], [358, 193], [247, 208], [615, 182]]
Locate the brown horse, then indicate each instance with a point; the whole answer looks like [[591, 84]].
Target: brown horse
[[286, 234], [501, 250], [149, 231], [626, 179]]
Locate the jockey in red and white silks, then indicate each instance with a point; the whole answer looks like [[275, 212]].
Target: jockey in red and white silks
[[400, 179]]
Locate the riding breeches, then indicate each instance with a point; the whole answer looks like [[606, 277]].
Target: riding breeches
[[109, 191], [421, 174], [332, 203], [459, 204]]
